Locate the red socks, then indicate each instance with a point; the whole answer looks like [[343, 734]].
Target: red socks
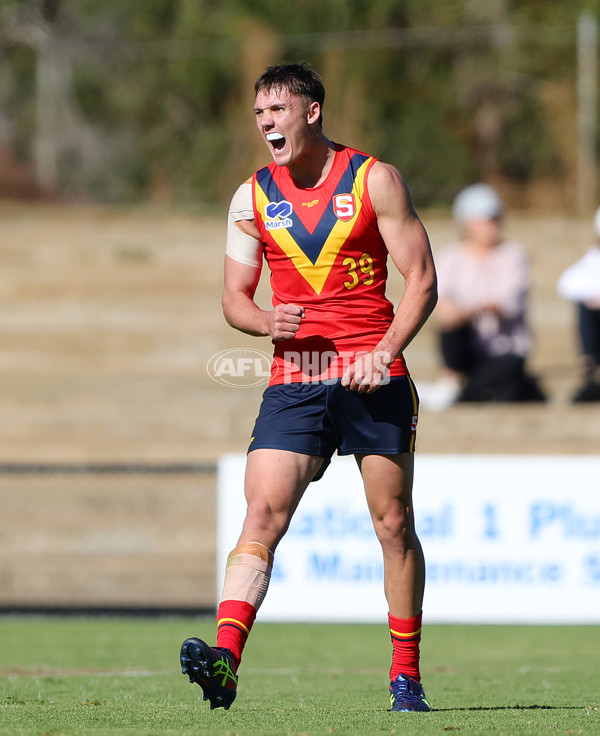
[[406, 636], [234, 621]]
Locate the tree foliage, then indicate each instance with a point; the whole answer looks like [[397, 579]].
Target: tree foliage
[[128, 100]]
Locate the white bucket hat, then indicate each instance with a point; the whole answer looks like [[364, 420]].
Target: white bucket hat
[[477, 202]]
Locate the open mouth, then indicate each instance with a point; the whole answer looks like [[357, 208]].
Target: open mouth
[[276, 140]]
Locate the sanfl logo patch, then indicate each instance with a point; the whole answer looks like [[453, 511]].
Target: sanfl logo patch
[[344, 206]]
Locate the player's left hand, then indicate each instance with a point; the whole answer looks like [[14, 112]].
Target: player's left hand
[[368, 372]]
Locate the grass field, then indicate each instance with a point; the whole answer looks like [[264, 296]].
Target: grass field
[[121, 676]]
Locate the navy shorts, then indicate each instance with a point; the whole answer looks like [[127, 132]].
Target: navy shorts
[[319, 418]]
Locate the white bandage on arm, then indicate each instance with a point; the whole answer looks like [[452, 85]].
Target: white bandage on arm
[[242, 247], [248, 573]]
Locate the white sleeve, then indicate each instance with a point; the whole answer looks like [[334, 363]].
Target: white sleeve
[[581, 281], [242, 247]]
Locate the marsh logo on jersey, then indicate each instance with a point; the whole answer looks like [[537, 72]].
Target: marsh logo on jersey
[[278, 215]]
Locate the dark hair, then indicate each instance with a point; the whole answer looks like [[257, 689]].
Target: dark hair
[[298, 79]]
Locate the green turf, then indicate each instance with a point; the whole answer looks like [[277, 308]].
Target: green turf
[[120, 676]]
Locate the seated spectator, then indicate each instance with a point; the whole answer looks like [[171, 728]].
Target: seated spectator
[[580, 283], [483, 283]]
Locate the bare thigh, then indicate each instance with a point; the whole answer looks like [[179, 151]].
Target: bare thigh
[[388, 481], [275, 482]]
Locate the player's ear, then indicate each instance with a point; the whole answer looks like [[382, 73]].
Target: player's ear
[[314, 112]]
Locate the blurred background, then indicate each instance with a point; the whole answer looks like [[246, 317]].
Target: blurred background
[[125, 127], [129, 101]]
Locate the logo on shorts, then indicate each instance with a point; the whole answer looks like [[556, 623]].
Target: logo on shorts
[[239, 367], [278, 215]]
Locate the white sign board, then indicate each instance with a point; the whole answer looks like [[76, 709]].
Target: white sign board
[[507, 539]]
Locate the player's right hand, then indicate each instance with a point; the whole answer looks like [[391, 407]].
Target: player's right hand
[[284, 321]]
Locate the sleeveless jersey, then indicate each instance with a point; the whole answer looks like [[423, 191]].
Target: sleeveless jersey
[[326, 255]]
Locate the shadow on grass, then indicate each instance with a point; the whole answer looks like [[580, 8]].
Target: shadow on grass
[[509, 707]]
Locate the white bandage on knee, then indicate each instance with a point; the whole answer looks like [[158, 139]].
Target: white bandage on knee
[[248, 573]]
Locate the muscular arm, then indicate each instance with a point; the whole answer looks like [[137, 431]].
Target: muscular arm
[[409, 249], [243, 264], [239, 308], [244, 314]]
